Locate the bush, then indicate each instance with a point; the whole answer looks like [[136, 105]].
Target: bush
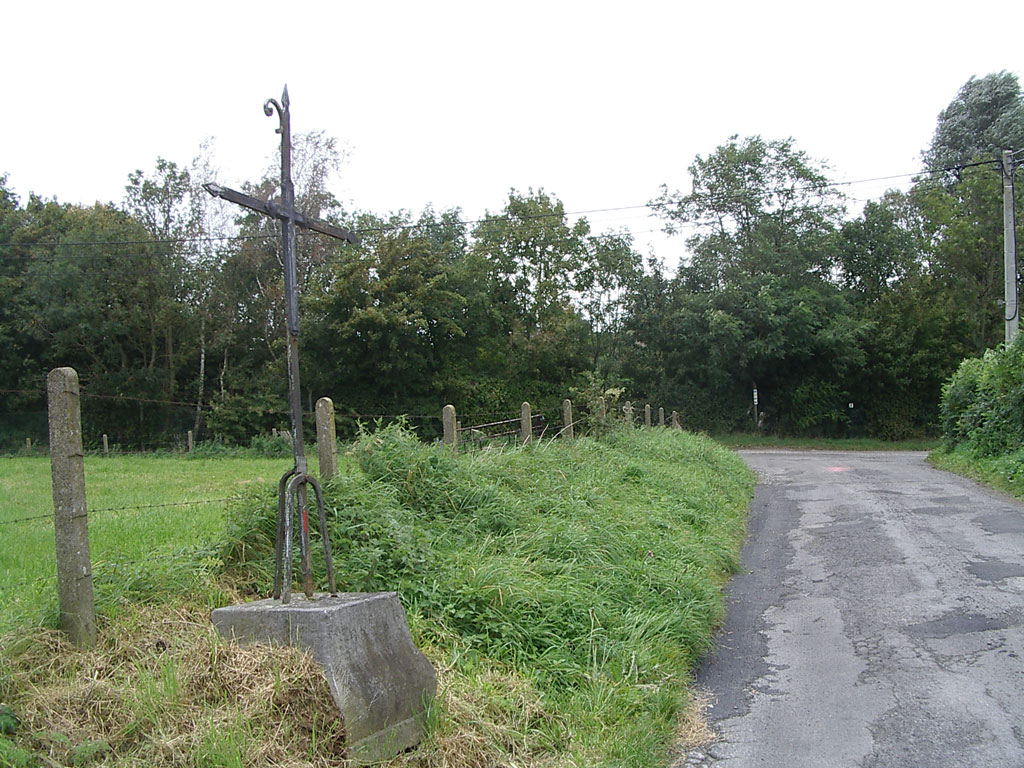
[[983, 402]]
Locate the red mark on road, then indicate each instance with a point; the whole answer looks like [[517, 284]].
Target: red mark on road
[[838, 469]]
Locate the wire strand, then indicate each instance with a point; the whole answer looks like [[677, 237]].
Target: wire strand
[[652, 205]]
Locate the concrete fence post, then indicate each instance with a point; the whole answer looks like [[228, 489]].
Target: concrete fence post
[[106, 446], [525, 423], [675, 420], [28, 444], [647, 415], [627, 411], [661, 417], [567, 430], [273, 432], [602, 410], [326, 438], [70, 521], [190, 442], [450, 427]]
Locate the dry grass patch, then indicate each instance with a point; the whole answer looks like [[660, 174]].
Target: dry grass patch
[[162, 687], [693, 730]]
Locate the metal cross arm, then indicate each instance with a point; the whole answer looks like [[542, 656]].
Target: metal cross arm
[[271, 208]]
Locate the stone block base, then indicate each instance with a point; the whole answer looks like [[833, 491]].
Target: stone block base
[[380, 681]]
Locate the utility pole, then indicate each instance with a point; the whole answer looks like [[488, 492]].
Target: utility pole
[[1010, 307]]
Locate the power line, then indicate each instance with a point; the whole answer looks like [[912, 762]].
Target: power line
[[653, 206], [151, 241]]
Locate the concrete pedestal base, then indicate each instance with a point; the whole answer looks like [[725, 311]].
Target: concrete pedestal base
[[379, 679]]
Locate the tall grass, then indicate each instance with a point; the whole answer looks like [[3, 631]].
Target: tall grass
[[590, 570]]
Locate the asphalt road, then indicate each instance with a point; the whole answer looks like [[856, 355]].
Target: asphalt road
[[879, 620]]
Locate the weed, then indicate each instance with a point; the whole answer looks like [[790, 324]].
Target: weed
[[13, 756], [88, 753], [154, 690]]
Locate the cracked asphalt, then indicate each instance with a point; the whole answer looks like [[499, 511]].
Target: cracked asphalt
[[879, 620]]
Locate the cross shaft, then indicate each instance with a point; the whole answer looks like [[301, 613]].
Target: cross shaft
[[293, 484]]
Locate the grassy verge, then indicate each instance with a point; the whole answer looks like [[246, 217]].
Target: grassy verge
[[750, 440], [1005, 472], [562, 591]]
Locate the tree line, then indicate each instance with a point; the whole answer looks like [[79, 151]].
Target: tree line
[[171, 306]]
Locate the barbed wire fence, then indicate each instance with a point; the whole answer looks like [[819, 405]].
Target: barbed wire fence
[[70, 511], [27, 527], [25, 432]]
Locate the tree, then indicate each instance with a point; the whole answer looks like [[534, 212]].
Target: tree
[[532, 246], [19, 369], [166, 203], [962, 208], [964, 250], [758, 207], [381, 329], [985, 118], [881, 247], [538, 264], [101, 296], [757, 305], [248, 305], [611, 268]]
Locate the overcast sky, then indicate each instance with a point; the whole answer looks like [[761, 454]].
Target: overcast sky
[[455, 103]]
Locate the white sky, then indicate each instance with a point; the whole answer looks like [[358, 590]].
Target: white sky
[[454, 103]]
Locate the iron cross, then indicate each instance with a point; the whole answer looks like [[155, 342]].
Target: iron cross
[[292, 487]]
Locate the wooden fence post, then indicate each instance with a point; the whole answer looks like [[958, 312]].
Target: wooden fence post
[[647, 415], [661, 416], [326, 438], [602, 411], [189, 441], [627, 411], [451, 428], [106, 446], [70, 521], [525, 423], [675, 420], [567, 430]]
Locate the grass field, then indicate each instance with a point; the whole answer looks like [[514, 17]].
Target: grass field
[[138, 513], [563, 592]]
